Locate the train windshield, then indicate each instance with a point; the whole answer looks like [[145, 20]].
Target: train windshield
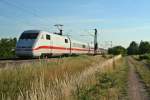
[[29, 36]]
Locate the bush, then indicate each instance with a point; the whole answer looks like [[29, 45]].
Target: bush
[[117, 50], [145, 56], [7, 47]]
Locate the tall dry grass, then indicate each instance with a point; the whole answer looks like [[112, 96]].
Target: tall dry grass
[[53, 80], [44, 79]]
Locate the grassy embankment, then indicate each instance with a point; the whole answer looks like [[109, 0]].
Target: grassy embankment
[[64, 79], [37, 79], [143, 69], [108, 84]]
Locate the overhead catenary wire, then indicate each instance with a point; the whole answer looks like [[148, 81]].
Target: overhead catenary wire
[[24, 10], [7, 2]]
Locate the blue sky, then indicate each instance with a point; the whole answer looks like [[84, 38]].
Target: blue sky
[[120, 21]]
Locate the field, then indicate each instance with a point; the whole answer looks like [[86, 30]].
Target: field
[[76, 78], [24, 80], [66, 78]]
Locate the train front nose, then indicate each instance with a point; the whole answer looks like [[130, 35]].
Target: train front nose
[[24, 48], [24, 52], [26, 42]]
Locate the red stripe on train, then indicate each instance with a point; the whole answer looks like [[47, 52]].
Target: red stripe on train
[[59, 48]]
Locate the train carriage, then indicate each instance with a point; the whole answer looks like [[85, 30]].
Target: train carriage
[[35, 43]]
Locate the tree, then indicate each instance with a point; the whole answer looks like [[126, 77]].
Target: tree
[[117, 50], [133, 48], [7, 46], [144, 47]]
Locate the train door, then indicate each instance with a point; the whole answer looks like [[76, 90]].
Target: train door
[[88, 48], [70, 46], [68, 41], [50, 44]]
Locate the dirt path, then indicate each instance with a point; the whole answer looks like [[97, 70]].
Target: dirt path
[[136, 88]]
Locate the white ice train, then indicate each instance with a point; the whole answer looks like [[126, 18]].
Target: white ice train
[[36, 43]]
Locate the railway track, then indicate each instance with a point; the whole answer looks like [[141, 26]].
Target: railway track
[[17, 62], [13, 62]]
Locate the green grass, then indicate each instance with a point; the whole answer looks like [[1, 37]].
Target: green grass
[[108, 85], [144, 56], [144, 73]]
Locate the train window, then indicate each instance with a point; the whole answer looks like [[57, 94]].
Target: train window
[[29, 36], [48, 37], [66, 40]]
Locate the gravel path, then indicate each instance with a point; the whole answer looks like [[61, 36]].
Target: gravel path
[[136, 90]]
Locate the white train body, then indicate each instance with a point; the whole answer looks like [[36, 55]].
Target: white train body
[[35, 43]]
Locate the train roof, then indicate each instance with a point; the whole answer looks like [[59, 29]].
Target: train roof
[[32, 31], [41, 31]]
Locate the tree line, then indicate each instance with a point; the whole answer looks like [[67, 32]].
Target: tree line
[[7, 47], [133, 49]]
